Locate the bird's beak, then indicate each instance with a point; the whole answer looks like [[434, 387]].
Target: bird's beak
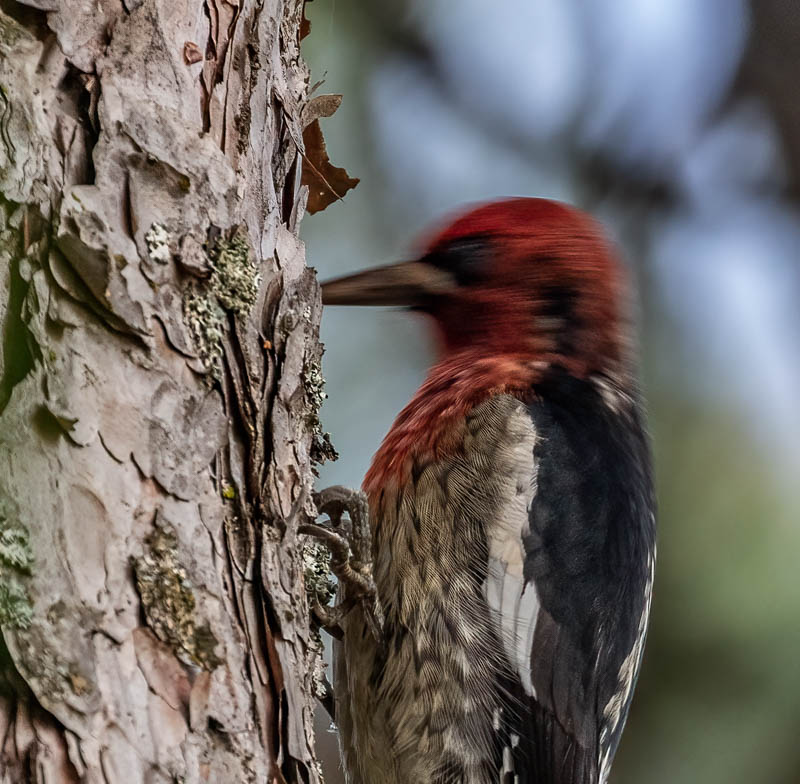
[[410, 283]]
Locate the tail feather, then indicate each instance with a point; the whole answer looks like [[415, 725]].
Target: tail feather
[[545, 753]]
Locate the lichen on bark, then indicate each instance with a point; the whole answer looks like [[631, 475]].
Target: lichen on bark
[[168, 600], [232, 287], [322, 448], [236, 277]]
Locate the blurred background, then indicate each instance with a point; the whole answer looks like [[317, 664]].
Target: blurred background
[[677, 122]]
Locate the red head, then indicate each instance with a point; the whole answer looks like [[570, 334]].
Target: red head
[[515, 288], [531, 279]]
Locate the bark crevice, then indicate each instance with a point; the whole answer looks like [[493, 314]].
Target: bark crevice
[[18, 356]]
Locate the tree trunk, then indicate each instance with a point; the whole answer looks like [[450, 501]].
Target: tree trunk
[[158, 393]]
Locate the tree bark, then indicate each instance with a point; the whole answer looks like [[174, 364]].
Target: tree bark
[[159, 383]]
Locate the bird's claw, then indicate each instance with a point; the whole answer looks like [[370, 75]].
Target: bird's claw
[[350, 544]]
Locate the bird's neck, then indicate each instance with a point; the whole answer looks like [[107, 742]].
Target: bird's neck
[[429, 426]]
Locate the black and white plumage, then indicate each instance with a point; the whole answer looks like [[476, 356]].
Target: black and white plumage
[[513, 539]]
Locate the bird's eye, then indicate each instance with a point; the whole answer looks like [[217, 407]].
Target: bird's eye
[[467, 259]]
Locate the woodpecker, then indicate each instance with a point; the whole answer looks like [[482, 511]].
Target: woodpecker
[[512, 513]]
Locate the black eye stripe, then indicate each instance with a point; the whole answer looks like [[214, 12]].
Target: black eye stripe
[[467, 259], [559, 314], [559, 301]]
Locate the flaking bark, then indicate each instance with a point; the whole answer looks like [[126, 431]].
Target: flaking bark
[[157, 422]]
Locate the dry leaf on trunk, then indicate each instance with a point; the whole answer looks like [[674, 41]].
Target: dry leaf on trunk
[[326, 183]]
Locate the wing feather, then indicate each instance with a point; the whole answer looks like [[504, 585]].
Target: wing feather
[[568, 579]]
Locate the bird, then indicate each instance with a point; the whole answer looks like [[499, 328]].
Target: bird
[[512, 513]]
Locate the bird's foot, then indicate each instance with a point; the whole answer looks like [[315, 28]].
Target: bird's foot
[[350, 545]]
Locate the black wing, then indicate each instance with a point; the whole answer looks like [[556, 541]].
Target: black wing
[[579, 613]]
